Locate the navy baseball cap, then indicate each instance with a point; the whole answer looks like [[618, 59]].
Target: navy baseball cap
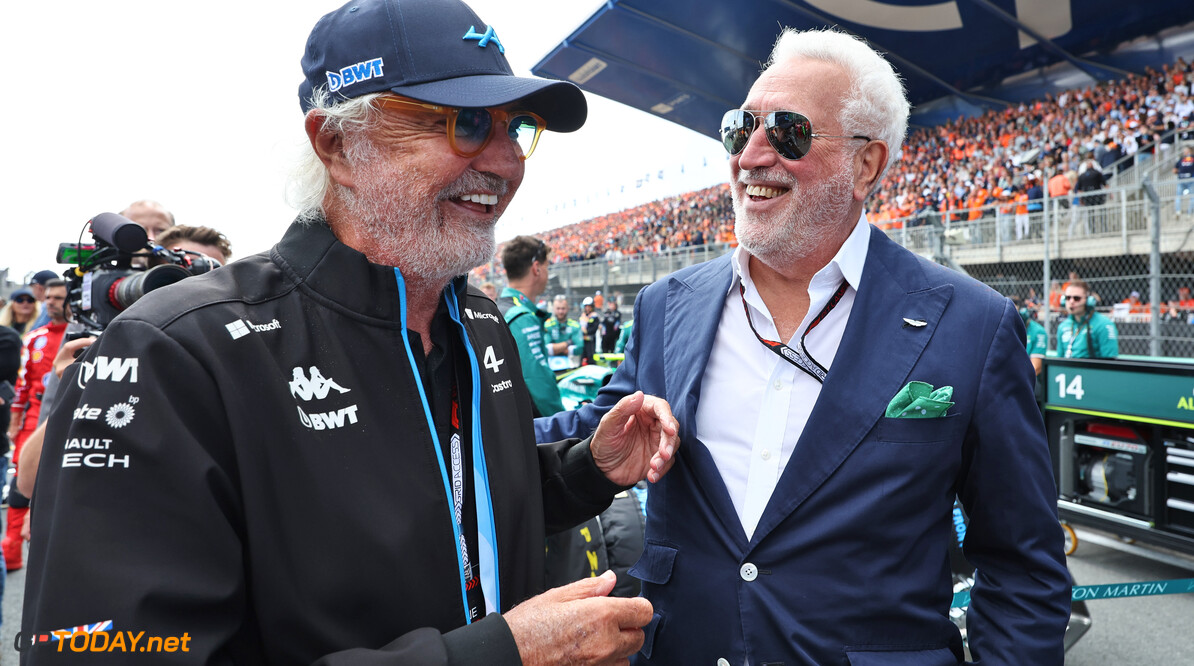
[[42, 277], [435, 51]]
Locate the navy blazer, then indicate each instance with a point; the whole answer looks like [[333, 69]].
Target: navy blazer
[[849, 562]]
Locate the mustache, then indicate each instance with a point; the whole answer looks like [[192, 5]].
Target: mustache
[[774, 174], [475, 181]]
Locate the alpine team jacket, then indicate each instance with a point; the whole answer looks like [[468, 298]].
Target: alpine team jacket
[[244, 462]]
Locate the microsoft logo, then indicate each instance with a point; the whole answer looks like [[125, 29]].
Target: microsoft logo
[[237, 329]]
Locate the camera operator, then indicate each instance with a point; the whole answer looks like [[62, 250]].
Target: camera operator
[[204, 240], [151, 215]]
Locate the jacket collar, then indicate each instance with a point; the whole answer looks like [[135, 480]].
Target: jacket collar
[[343, 278]]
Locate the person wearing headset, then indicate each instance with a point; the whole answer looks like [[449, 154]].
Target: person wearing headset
[[1085, 333]]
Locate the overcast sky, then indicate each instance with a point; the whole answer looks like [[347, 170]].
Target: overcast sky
[[195, 105]]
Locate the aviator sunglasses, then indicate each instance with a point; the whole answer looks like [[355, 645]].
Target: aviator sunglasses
[[789, 133], [471, 129]]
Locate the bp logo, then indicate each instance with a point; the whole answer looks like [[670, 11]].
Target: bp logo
[[120, 415]]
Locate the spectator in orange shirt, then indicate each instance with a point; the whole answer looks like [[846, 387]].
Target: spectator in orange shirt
[[1184, 300], [1020, 198], [1055, 294], [1133, 300]]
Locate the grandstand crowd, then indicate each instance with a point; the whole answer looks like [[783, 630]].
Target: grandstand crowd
[[998, 164]]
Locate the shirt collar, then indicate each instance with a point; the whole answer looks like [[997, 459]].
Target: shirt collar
[[846, 264]]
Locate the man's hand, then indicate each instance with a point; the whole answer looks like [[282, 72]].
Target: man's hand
[[636, 439], [68, 352], [579, 624]]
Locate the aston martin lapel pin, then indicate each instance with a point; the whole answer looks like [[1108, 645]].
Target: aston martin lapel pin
[[915, 323]]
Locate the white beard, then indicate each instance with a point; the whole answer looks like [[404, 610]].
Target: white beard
[[404, 226], [813, 215]]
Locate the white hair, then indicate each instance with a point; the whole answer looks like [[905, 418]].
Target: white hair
[[309, 180], [875, 104]]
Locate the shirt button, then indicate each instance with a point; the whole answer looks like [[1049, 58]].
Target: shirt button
[[766, 454], [779, 386], [749, 572], [723, 662]]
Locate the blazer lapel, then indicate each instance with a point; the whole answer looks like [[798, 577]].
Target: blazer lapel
[[876, 355], [692, 314]]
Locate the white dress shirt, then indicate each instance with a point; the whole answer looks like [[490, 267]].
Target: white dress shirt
[[754, 404]]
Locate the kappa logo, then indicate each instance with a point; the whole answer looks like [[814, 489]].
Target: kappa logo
[[106, 368], [242, 327], [362, 71], [316, 387]]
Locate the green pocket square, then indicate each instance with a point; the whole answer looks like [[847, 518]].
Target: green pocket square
[[919, 400]]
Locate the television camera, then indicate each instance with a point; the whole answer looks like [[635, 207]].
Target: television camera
[[109, 276]]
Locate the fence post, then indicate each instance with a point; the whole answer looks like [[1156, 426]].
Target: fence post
[[1154, 270], [568, 281], [1123, 217], [1046, 281], [604, 277]]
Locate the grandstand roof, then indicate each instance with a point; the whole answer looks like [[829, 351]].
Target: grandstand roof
[[690, 60]]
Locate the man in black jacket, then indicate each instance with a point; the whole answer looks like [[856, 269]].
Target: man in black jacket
[[1091, 180], [324, 453]]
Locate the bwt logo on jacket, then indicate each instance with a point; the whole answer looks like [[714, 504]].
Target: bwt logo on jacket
[[362, 71], [311, 385], [328, 420], [107, 369]]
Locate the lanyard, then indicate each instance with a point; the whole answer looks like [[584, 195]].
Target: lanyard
[[1077, 328], [473, 591], [797, 357], [486, 530]]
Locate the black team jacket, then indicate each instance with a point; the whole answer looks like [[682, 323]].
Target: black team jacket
[[244, 462]]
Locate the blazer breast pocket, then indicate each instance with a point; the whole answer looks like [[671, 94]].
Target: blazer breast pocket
[[655, 565], [919, 431]]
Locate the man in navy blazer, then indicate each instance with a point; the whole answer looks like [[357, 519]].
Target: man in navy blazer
[[835, 393]]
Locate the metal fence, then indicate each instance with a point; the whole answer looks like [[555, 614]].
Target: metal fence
[[1124, 239]]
